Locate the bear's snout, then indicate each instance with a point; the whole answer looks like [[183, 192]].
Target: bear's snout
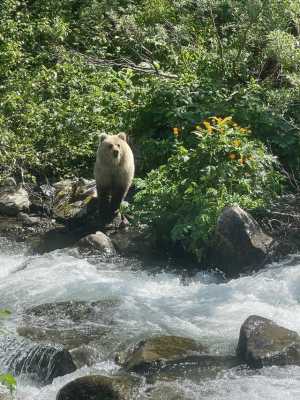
[[116, 153]]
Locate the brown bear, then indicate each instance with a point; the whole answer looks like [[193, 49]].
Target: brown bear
[[114, 171]]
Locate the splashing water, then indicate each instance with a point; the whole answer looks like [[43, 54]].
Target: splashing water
[[203, 307]]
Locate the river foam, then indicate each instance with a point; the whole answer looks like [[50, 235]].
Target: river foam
[[202, 307]]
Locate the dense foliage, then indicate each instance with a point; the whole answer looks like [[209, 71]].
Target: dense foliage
[[184, 197], [70, 69]]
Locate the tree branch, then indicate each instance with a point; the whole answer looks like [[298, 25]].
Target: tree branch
[[126, 64]]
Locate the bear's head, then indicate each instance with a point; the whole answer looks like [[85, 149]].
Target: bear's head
[[112, 147]]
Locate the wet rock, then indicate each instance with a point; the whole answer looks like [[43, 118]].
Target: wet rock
[[239, 244], [164, 392], [195, 367], [263, 343], [41, 199], [132, 242], [85, 355], [70, 323], [59, 237], [13, 200], [42, 362], [74, 199], [29, 220], [15, 229], [159, 351], [97, 242], [100, 387]]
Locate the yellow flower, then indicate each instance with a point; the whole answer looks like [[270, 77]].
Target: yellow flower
[[176, 131], [225, 120], [245, 130], [231, 156], [208, 126], [236, 143]]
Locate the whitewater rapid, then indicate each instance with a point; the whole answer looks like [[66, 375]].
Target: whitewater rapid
[[204, 307]]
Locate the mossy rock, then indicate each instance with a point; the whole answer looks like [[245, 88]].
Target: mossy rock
[[98, 387], [152, 354]]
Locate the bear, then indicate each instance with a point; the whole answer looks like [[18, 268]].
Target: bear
[[114, 172]]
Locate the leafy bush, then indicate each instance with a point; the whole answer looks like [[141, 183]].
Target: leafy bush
[[181, 200]]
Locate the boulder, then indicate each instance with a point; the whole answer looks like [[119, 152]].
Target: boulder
[[13, 200], [44, 362], [30, 229], [132, 242], [239, 244], [98, 387], [29, 220], [74, 199], [41, 199], [97, 242], [69, 323], [156, 352], [262, 343]]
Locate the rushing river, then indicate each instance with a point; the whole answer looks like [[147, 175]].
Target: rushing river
[[159, 301]]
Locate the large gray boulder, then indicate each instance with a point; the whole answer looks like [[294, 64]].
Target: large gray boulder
[[262, 343], [239, 244], [13, 200], [98, 387]]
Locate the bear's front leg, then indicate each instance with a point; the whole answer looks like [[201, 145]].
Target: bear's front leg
[[104, 204], [116, 200]]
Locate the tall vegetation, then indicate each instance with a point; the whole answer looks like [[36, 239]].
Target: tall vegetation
[[70, 69]]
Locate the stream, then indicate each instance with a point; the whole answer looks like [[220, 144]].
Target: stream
[[154, 299]]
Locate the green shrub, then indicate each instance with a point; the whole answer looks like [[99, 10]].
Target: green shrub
[[181, 200]]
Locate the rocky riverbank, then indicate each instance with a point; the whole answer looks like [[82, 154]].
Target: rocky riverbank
[[64, 214]]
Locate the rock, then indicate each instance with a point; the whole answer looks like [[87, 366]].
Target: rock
[[41, 199], [239, 244], [58, 237], [74, 199], [17, 229], [196, 367], [154, 353], [164, 391], [9, 184], [263, 343], [69, 323], [97, 241], [29, 220], [132, 242], [100, 387], [85, 355], [41, 361], [13, 201]]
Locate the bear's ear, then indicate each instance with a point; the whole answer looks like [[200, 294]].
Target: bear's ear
[[122, 136], [102, 137]]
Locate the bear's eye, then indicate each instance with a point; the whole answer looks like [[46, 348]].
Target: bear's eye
[[118, 145], [110, 146]]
